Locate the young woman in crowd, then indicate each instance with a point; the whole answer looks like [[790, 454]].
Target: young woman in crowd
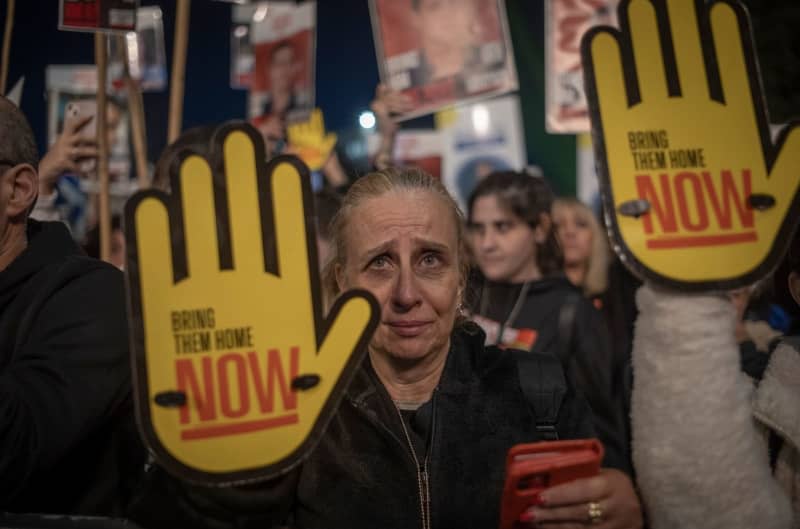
[[609, 285], [583, 243], [523, 300], [421, 435]]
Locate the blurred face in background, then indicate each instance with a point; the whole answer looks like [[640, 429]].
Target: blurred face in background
[[504, 245], [574, 231], [448, 30], [282, 69]]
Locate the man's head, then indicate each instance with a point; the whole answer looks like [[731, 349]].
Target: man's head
[[19, 159], [19, 181]]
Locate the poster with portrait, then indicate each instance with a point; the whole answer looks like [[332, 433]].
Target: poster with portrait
[[243, 55], [481, 138], [147, 60], [73, 88], [566, 21], [419, 148], [97, 15], [442, 53], [284, 40]]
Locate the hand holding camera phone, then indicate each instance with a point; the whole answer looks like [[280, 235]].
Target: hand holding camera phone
[[78, 112], [532, 468]]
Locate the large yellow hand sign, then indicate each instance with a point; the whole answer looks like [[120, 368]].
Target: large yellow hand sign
[[236, 371], [696, 193]]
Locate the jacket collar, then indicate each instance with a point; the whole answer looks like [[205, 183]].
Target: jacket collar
[[460, 367], [778, 392]]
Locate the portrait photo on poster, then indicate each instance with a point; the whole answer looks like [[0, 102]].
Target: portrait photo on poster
[[440, 53], [284, 44]]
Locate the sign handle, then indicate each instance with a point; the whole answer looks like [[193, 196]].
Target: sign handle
[[138, 126], [104, 212], [178, 70], [7, 44]]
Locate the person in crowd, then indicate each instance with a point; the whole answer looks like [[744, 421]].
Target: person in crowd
[[422, 433], [116, 255], [71, 159], [584, 246], [387, 104], [61, 198], [522, 299], [713, 448], [67, 437]]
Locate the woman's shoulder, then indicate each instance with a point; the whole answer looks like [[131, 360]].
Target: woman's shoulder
[[471, 353]]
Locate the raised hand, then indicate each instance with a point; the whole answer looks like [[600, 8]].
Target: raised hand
[[310, 142], [696, 192], [236, 370]]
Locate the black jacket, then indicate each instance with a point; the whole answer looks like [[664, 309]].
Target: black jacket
[[589, 360], [65, 414], [363, 474]]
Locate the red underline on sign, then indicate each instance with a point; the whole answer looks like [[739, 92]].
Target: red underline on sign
[[205, 432], [701, 240]]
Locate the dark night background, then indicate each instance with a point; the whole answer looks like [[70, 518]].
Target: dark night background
[[347, 71]]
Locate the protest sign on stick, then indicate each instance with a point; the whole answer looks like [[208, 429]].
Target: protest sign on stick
[[697, 195], [108, 16], [566, 21], [7, 44], [237, 370], [284, 41], [178, 78], [443, 53], [138, 128], [104, 210]]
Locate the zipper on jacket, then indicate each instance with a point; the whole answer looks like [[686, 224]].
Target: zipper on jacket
[[422, 477]]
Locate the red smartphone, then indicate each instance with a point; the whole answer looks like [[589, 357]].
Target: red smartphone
[[531, 468]]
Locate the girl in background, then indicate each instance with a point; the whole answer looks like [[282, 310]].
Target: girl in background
[[523, 300]]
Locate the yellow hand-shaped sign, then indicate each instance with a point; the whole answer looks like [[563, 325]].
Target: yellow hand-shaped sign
[[310, 141], [236, 371], [696, 193]]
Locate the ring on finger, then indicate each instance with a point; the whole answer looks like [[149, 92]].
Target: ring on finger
[[595, 512]]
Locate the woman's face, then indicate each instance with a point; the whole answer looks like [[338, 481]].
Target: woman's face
[[574, 233], [503, 244], [403, 248]]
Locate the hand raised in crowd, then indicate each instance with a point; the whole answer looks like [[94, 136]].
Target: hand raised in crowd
[[388, 103], [70, 148], [606, 501]]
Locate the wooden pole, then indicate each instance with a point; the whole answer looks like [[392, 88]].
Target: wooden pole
[[178, 70], [138, 127], [104, 213], [7, 44]]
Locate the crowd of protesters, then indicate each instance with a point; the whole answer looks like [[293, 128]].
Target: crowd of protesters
[[694, 397]]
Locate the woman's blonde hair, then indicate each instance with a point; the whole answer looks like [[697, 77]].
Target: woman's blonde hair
[[596, 279], [376, 184]]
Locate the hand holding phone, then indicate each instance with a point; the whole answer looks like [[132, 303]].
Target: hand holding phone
[[531, 468], [80, 110]]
